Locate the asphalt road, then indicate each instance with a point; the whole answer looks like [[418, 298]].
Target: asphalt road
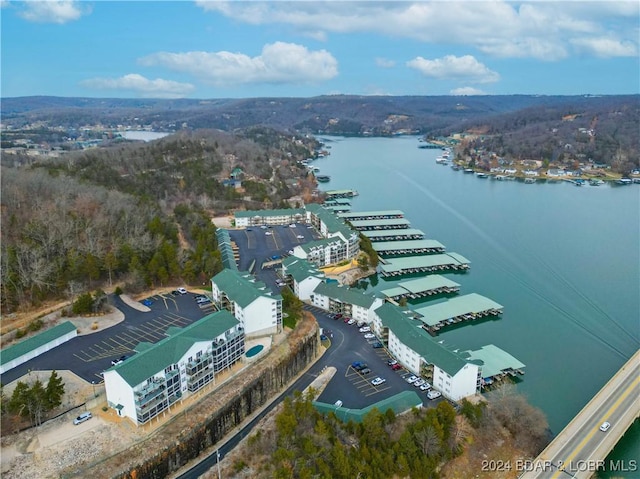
[[574, 452]]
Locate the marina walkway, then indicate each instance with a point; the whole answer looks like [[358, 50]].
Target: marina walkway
[[580, 450]]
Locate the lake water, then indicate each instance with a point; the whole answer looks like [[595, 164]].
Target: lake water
[[564, 261], [144, 135]]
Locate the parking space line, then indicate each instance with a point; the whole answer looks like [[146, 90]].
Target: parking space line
[[145, 331]]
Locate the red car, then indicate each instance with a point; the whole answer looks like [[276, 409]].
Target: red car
[[346, 319], [396, 366]]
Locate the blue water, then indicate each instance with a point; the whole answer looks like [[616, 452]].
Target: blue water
[[564, 261], [254, 350]]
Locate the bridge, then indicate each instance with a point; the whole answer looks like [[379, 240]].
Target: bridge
[[579, 451]]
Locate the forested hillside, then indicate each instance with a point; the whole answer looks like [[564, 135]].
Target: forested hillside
[[136, 215]]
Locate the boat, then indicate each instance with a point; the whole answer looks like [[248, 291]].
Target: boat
[[441, 160], [529, 180], [624, 181], [323, 178], [469, 170], [480, 174], [596, 182], [455, 167]]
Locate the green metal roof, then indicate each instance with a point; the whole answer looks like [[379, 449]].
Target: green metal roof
[[422, 284], [34, 342], [345, 294], [331, 221], [269, 213], [401, 402], [399, 232], [411, 334], [300, 269], [242, 287], [390, 222], [226, 251], [152, 359], [494, 360], [360, 214], [426, 261], [466, 304], [382, 246]]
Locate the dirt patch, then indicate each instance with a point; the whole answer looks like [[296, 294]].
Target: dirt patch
[[223, 221]]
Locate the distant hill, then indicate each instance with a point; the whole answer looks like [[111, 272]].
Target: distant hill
[[524, 125]]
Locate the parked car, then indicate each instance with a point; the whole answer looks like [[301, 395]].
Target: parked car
[[433, 394], [346, 319], [391, 362], [357, 365], [365, 329], [338, 316], [203, 300], [115, 362], [182, 290], [85, 416], [396, 366], [267, 233], [351, 321], [365, 371], [425, 386], [605, 426], [411, 379], [300, 237], [378, 381], [419, 383], [377, 345], [369, 336]]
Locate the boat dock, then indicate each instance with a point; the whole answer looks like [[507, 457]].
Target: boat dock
[[331, 194], [497, 365], [424, 264], [410, 247], [422, 287], [371, 215], [469, 307], [385, 224], [394, 235], [338, 208]]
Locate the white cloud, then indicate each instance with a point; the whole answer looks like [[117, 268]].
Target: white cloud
[[606, 47], [542, 30], [466, 91], [52, 11], [278, 63], [385, 63], [145, 87], [451, 67]]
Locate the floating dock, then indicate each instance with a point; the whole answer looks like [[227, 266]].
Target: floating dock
[[385, 224], [330, 194], [456, 310], [372, 215], [422, 287], [394, 235], [424, 264], [410, 247]]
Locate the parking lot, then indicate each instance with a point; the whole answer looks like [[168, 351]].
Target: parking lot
[[262, 247], [87, 356], [354, 388]]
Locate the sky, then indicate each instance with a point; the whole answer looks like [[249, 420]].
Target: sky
[[240, 49]]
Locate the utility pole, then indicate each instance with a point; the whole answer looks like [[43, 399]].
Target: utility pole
[[218, 461]]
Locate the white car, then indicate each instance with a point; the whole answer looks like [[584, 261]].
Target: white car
[[85, 416], [425, 386], [267, 233], [433, 394], [412, 379], [365, 329], [351, 321], [378, 381], [300, 237], [419, 383], [369, 336], [605, 426], [292, 226], [181, 291]]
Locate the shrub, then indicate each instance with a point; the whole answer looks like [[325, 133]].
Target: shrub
[[117, 291]]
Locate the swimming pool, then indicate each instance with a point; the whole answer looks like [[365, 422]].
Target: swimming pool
[[254, 350]]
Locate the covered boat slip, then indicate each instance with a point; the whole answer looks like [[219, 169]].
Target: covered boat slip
[[372, 215], [424, 264], [385, 224], [409, 247], [496, 364], [394, 235], [332, 194], [421, 287], [337, 208], [455, 310], [338, 201]]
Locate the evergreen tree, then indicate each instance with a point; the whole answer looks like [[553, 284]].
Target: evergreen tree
[[54, 391]]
